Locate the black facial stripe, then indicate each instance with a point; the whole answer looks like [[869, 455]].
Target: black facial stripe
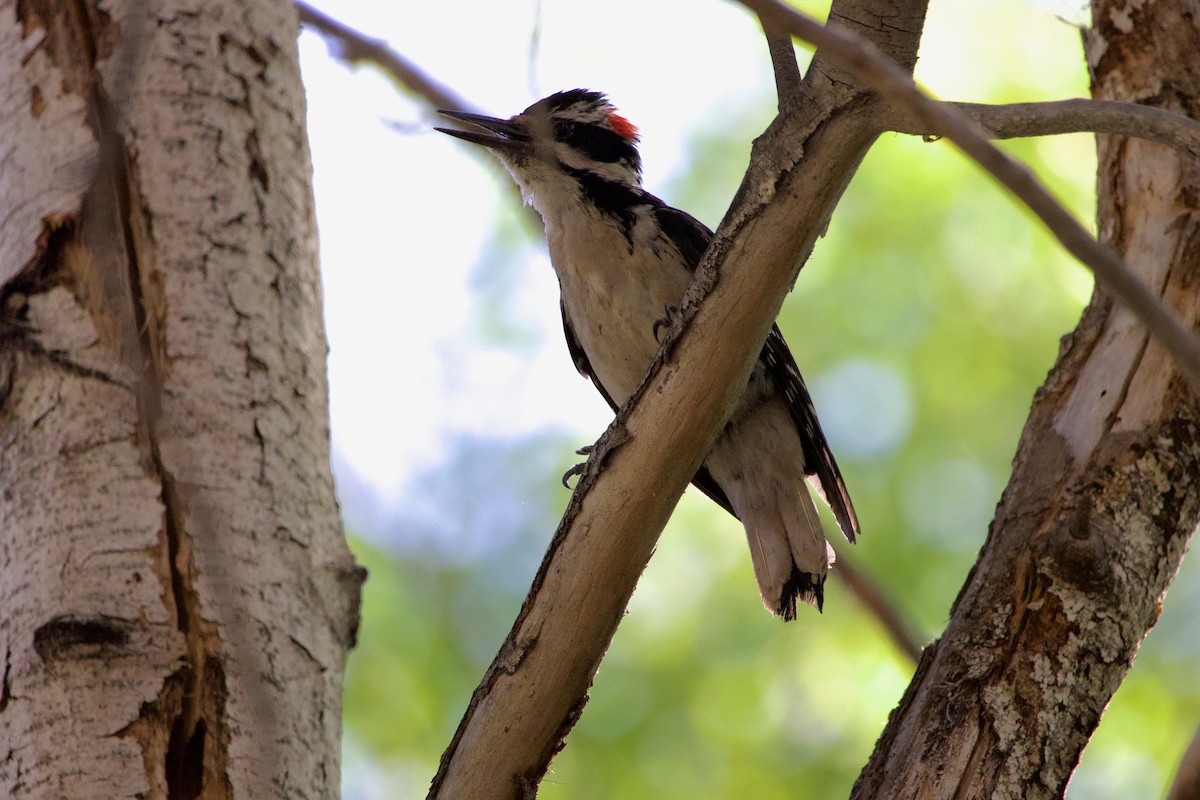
[[617, 200], [598, 143]]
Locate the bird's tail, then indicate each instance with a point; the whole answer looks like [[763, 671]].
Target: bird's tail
[[758, 466], [787, 545]]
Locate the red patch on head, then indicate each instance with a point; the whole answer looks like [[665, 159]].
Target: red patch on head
[[622, 127]]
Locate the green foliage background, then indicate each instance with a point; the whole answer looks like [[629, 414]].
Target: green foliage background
[[923, 322]]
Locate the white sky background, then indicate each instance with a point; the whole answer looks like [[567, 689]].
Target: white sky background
[[403, 211]]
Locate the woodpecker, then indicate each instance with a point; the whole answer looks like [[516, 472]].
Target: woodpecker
[[621, 256]]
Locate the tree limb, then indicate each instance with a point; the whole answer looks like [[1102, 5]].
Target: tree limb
[[1077, 115], [1104, 495], [354, 47], [854, 53], [534, 691], [785, 66], [1186, 785]]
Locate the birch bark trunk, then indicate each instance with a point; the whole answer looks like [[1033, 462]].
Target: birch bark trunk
[[178, 598]]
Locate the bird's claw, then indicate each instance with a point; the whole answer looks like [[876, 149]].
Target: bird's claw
[[579, 468], [666, 321], [574, 472]]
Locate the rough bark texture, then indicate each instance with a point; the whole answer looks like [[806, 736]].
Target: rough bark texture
[[178, 597], [1104, 495], [536, 687]]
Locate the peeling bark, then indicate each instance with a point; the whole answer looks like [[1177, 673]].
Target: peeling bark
[[178, 595], [1104, 496]]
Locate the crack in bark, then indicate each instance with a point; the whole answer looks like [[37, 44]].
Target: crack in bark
[[6, 681], [112, 235], [982, 740]]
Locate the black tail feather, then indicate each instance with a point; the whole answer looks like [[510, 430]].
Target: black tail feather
[[801, 586]]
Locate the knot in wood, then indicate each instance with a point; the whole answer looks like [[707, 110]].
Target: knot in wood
[[1079, 549]]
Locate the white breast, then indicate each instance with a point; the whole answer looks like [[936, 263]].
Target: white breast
[[614, 291]]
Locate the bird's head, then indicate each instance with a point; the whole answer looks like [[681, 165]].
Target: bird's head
[[557, 139]]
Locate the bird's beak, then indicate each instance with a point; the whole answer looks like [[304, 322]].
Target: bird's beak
[[502, 133]]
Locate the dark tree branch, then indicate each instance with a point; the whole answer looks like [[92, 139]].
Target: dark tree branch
[[1186, 785], [856, 55], [1104, 495], [903, 633]]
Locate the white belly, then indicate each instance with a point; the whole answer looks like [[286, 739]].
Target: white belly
[[613, 298]]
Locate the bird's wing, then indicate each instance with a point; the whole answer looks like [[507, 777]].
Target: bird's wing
[[777, 360], [689, 235], [580, 357], [702, 480], [691, 238]]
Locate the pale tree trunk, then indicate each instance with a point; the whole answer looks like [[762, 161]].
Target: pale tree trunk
[[1105, 492], [177, 595]]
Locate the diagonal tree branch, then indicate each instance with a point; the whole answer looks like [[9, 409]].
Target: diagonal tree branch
[[359, 48], [354, 47], [534, 691], [1186, 785], [1104, 495]]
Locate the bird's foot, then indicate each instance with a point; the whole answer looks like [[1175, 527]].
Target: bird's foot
[[666, 321], [577, 470]]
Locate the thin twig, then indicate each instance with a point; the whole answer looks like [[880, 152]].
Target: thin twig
[[871, 596], [853, 53], [787, 69], [353, 47], [1077, 115]]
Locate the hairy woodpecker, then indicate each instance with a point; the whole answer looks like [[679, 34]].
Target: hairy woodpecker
[[621, 256]]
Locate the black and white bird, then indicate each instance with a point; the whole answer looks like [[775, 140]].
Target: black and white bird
[[621, 256]]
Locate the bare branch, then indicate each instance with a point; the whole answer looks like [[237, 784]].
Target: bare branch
[[852, 52], [1186, 785], [354, 47], [787, 70], [903, 633], [1077, 115]]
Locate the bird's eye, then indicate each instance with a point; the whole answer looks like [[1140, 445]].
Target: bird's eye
[[563, 129]]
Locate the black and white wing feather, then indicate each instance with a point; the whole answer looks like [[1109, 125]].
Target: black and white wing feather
[[777, 360], [691, 238]]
